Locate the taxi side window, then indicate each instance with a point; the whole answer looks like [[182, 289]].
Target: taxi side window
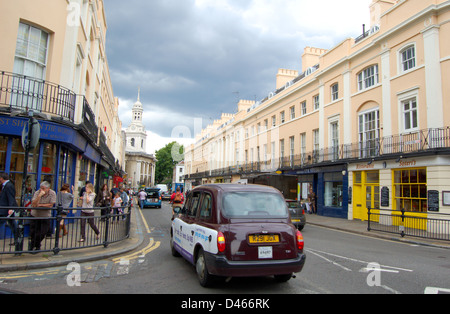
[[206, 207], [194, 204]]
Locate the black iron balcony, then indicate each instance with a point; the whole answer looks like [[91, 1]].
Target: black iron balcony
[[422, 142], [19, 92]]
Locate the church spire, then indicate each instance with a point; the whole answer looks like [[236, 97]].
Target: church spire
[[139, 94]]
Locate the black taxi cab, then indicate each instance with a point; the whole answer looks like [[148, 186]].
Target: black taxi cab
[[234, 230]]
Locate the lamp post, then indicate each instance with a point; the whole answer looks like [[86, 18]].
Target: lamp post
[[30, 138]]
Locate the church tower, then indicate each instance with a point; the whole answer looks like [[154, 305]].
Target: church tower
[[136, 135]]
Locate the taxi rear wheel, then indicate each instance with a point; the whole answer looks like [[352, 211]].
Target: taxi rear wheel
[[203, 276]]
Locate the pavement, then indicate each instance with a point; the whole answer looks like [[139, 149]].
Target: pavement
[[10, 262]]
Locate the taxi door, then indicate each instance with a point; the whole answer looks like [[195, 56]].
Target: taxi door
[[183, 227]]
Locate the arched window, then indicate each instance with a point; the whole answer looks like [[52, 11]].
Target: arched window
[[368, 77], [132, 142]]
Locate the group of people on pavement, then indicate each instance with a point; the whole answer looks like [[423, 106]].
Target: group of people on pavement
[[44, 201]]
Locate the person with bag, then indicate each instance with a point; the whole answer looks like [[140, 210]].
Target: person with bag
[[64, 199], [87, 212], [177, 200]]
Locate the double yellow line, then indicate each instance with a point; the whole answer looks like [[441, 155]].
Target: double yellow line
[[153, 245]]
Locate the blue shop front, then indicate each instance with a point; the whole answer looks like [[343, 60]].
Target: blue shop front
[[54, 159], [329, 184]]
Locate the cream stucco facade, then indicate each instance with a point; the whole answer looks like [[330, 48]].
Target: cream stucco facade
[[53, 61], [369, 113]]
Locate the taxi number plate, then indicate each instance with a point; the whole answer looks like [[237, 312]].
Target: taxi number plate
[[264, 238]]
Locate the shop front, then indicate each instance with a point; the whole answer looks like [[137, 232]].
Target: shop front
[[416, 185], [62, 156], [329, 185]]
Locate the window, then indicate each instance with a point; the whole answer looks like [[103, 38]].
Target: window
[[368, 77], [206, 207], [192, 204], [410, 189], [369, 133], [31, 61], [316, 144], [316, 102], [408, 58], [254, 205], [281, 149], [410, 114], [335, 92], [334, 139], [282, 117], [333, 194], [292, 110], [31, 51], [303, 106], [303, 146], [292, 150], [132, 142], [274, 121]]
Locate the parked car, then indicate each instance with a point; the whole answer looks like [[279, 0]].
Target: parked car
[[153, 198], [234, 230], [297, 212]]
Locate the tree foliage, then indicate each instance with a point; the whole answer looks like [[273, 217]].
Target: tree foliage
[[167, 157]]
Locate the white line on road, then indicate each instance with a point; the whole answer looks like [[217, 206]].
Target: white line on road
[[330, 261], [359, 261]]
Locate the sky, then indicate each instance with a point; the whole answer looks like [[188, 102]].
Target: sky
[[195, 59]]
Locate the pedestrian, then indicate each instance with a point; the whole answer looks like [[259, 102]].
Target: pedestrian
[[177, 200], [142, 196], [83, 189], [64, 198], [117, 203], [103, 200], [8, 199], [312, 200], [43, 201], [87, 212]]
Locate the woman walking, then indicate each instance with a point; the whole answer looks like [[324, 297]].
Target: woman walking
[[64, 199], [87, 211], [104, 200]]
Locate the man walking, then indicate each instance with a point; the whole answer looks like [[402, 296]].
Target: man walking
[[44, 198], [8, 199]]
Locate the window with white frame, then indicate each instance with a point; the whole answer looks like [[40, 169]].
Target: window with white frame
[[368, 77], [303, 146], [410, 114], [282, 117], [292, 111], [369, 133], [334, 139], [316, 144], [31, 51], [274, 121], [316, 102], [408, 58], [335, 92], [303, 106]]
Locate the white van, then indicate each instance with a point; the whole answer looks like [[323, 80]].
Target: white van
[[164, 191]]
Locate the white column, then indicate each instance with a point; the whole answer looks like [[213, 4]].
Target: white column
[[433, 77]]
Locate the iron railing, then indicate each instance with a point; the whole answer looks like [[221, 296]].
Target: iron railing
[[430, 225], [394, 146], [24, 93], [15, 233]]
